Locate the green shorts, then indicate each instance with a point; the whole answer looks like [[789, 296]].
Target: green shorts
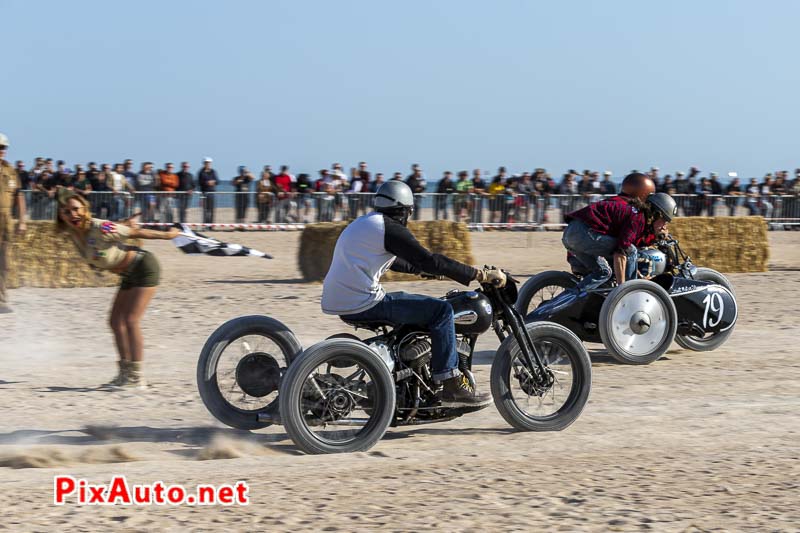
[[143, 272]]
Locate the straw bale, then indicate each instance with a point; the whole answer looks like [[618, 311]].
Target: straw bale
[[726, 244], [41, 257], [318, 241]]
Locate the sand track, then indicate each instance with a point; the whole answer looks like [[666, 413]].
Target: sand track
[[696, 440]]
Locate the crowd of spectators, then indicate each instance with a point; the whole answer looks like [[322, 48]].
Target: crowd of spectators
[[166, 194]]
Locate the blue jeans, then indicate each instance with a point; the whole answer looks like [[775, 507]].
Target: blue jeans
[[434, 314], [593, 250]]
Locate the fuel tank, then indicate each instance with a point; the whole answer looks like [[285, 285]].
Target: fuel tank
[[472, 311]]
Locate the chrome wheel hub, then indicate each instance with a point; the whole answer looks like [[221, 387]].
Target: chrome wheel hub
[[639, 322]]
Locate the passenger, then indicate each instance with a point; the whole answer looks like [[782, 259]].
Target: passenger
[[105, 245], [379, 241]]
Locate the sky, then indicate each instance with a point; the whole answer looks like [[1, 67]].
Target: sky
[[447, 84]]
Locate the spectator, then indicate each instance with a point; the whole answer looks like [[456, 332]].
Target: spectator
[[325, 196], [23, 175], [101, 199], [397, 176], [754, 197], [766, 199], [92, 172], [168, 184], [497, 189], [283, 184], [265, 195], [82, 185], [62, 175], [668, 186], [568, 191], [607, 186], [416, 182], [128, 172], [444, 189], [463, 202], [145, 184], [733, 193], [186, 190], [377, 182], [478, 194], [241, 186], [120, 189], [207, 179], [526, 194]]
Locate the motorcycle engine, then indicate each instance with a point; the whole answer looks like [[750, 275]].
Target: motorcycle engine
[[416, 353]]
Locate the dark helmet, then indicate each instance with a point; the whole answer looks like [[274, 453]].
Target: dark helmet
[[638, 185], [664, 205]]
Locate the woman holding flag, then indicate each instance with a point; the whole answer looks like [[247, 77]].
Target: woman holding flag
[[106, 245]]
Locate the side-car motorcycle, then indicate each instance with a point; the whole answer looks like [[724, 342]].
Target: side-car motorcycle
[[638, 320], [341, 394]]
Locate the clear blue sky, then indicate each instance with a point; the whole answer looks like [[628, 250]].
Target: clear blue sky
[[448, 84]]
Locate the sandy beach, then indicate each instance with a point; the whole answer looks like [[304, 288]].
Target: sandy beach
[[694, 442]]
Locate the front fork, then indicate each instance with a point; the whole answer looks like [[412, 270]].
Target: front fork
[[530, 357]]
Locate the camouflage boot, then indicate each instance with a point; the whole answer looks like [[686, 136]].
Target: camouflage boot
[[136, 375], [122, 376]]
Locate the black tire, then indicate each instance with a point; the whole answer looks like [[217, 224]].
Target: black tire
[[537, 283], [715, 340], [291, 393], [610, 331], [580, 387], [207, 382]]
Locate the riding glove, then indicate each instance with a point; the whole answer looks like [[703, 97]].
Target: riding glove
[[491, 275]]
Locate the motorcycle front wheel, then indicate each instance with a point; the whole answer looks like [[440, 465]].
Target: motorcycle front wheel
[[521, 400], [338, 396]]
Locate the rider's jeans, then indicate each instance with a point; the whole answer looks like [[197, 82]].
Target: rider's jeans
[[593, 250], [434, 314]]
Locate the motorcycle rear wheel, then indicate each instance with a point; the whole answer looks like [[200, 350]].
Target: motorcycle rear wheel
[[560, 405], [342, 384]]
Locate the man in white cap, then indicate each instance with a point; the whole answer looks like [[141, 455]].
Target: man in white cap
[[9, 193], [207, 179]]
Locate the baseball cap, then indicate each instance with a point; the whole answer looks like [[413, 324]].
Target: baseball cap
[[207, 160], [680, 173], [3, 140], [607, 173]]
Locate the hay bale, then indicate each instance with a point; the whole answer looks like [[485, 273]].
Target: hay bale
[[726, 244], [42, 257], [318, 241]]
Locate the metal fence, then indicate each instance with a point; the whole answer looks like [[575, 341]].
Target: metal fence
[[289, 211]]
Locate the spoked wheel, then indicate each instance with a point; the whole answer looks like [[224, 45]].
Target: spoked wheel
[[638, 322], [240, 369], [530, 405], [542, 288], [337, 397], [709, 341]]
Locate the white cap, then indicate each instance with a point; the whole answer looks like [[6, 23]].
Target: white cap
[[607, 173], [733, 175], [653, 168], [680, 173], [208, 160], [3, 140]]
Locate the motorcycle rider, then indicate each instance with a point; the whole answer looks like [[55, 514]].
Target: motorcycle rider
[[379, 241], [611, 228]]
